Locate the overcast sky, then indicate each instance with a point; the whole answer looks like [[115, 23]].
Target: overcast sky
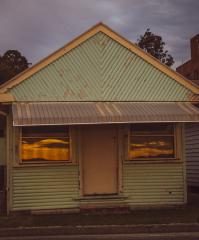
[[39, 27]]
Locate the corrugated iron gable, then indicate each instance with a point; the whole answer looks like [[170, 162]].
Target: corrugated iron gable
[[100, 69]]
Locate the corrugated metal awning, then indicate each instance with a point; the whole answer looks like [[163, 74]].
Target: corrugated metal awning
[[69, 113]]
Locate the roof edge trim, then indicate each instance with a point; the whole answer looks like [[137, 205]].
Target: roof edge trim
[[6, 97]]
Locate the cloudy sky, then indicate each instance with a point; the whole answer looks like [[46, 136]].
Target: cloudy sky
[[39, 27]]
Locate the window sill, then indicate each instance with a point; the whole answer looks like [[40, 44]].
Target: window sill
[[24, 165], [155, 161]]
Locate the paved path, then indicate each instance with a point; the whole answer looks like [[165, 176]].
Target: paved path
[[153, 236], [189, 231]]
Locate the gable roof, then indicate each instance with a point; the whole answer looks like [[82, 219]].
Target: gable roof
[[85, 36]]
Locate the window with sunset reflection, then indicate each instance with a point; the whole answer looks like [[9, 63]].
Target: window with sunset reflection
[[152, 141], [45, 143]]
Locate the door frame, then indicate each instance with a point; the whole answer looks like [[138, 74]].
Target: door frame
[[119, 150]]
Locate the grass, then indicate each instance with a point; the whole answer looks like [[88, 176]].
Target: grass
[[183, 214]]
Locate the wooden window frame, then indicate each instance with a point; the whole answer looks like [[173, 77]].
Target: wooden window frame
[[177, 148], [71, 160]]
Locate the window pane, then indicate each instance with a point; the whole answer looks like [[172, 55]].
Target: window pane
[[45, 144], [151, 147], [45, 131], [152, 129]]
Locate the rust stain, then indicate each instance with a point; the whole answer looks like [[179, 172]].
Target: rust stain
[[77, 78], [82, 93], [96, 41], [61, 73], [69, 93], [104, 43], [128, 61]]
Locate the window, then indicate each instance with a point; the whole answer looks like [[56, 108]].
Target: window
[[45, 144], [152, 141]]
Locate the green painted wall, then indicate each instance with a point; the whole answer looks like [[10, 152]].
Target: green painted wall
[[44, 187], [57, 187], [158, 183], [100, 69]]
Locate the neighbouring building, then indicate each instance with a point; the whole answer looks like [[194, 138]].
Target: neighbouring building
[[98, 123], [190, 69]]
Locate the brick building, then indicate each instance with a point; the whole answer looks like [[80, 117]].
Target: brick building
[[190, 69]]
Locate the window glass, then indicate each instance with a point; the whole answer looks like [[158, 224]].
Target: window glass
[[152, 129], [46, 143], [151, 141]]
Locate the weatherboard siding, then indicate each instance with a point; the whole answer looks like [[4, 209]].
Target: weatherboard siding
[[192, 153], [100, 69], [57, 186], [44, 187], [153, 183]]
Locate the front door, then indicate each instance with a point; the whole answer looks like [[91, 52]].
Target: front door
[[99, 160]]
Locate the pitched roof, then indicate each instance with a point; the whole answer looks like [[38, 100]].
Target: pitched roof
[[100, 27]]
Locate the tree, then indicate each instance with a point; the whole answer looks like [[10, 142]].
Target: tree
[[154, 45], [11, 64]]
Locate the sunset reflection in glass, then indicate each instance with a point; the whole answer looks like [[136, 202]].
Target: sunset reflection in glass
[[45, 144], [151, 141]]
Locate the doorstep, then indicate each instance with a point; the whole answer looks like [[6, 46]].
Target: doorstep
[[102, 197], [103, 204]]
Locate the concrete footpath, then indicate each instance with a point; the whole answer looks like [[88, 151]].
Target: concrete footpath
[[160, 231], [159, 236]]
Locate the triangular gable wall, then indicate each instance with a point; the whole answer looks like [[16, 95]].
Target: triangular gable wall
[[100, 69]]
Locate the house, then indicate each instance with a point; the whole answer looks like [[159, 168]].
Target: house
[[99, 123], [190, 69]]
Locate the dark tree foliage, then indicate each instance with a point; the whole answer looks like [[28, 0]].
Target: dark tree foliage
[[11, 64], [154, 45]]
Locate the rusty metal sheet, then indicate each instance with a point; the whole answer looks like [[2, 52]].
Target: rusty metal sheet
[[69, 113]]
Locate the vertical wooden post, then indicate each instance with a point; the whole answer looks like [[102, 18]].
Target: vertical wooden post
[[9, 159], [7, 166], [184, 161]]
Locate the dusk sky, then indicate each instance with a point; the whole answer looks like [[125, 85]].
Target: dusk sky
[[39, 27]]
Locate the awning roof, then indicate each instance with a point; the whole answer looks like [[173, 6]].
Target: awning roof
[[70, 113]]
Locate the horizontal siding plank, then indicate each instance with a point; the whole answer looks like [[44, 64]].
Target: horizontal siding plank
[[48, 187], [192, 153], [37, 183], [157, 196], [192, 137], [152, 184], [34, 206], [43, 189]]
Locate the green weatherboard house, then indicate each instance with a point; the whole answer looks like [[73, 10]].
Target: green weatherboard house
[[99, 123]]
